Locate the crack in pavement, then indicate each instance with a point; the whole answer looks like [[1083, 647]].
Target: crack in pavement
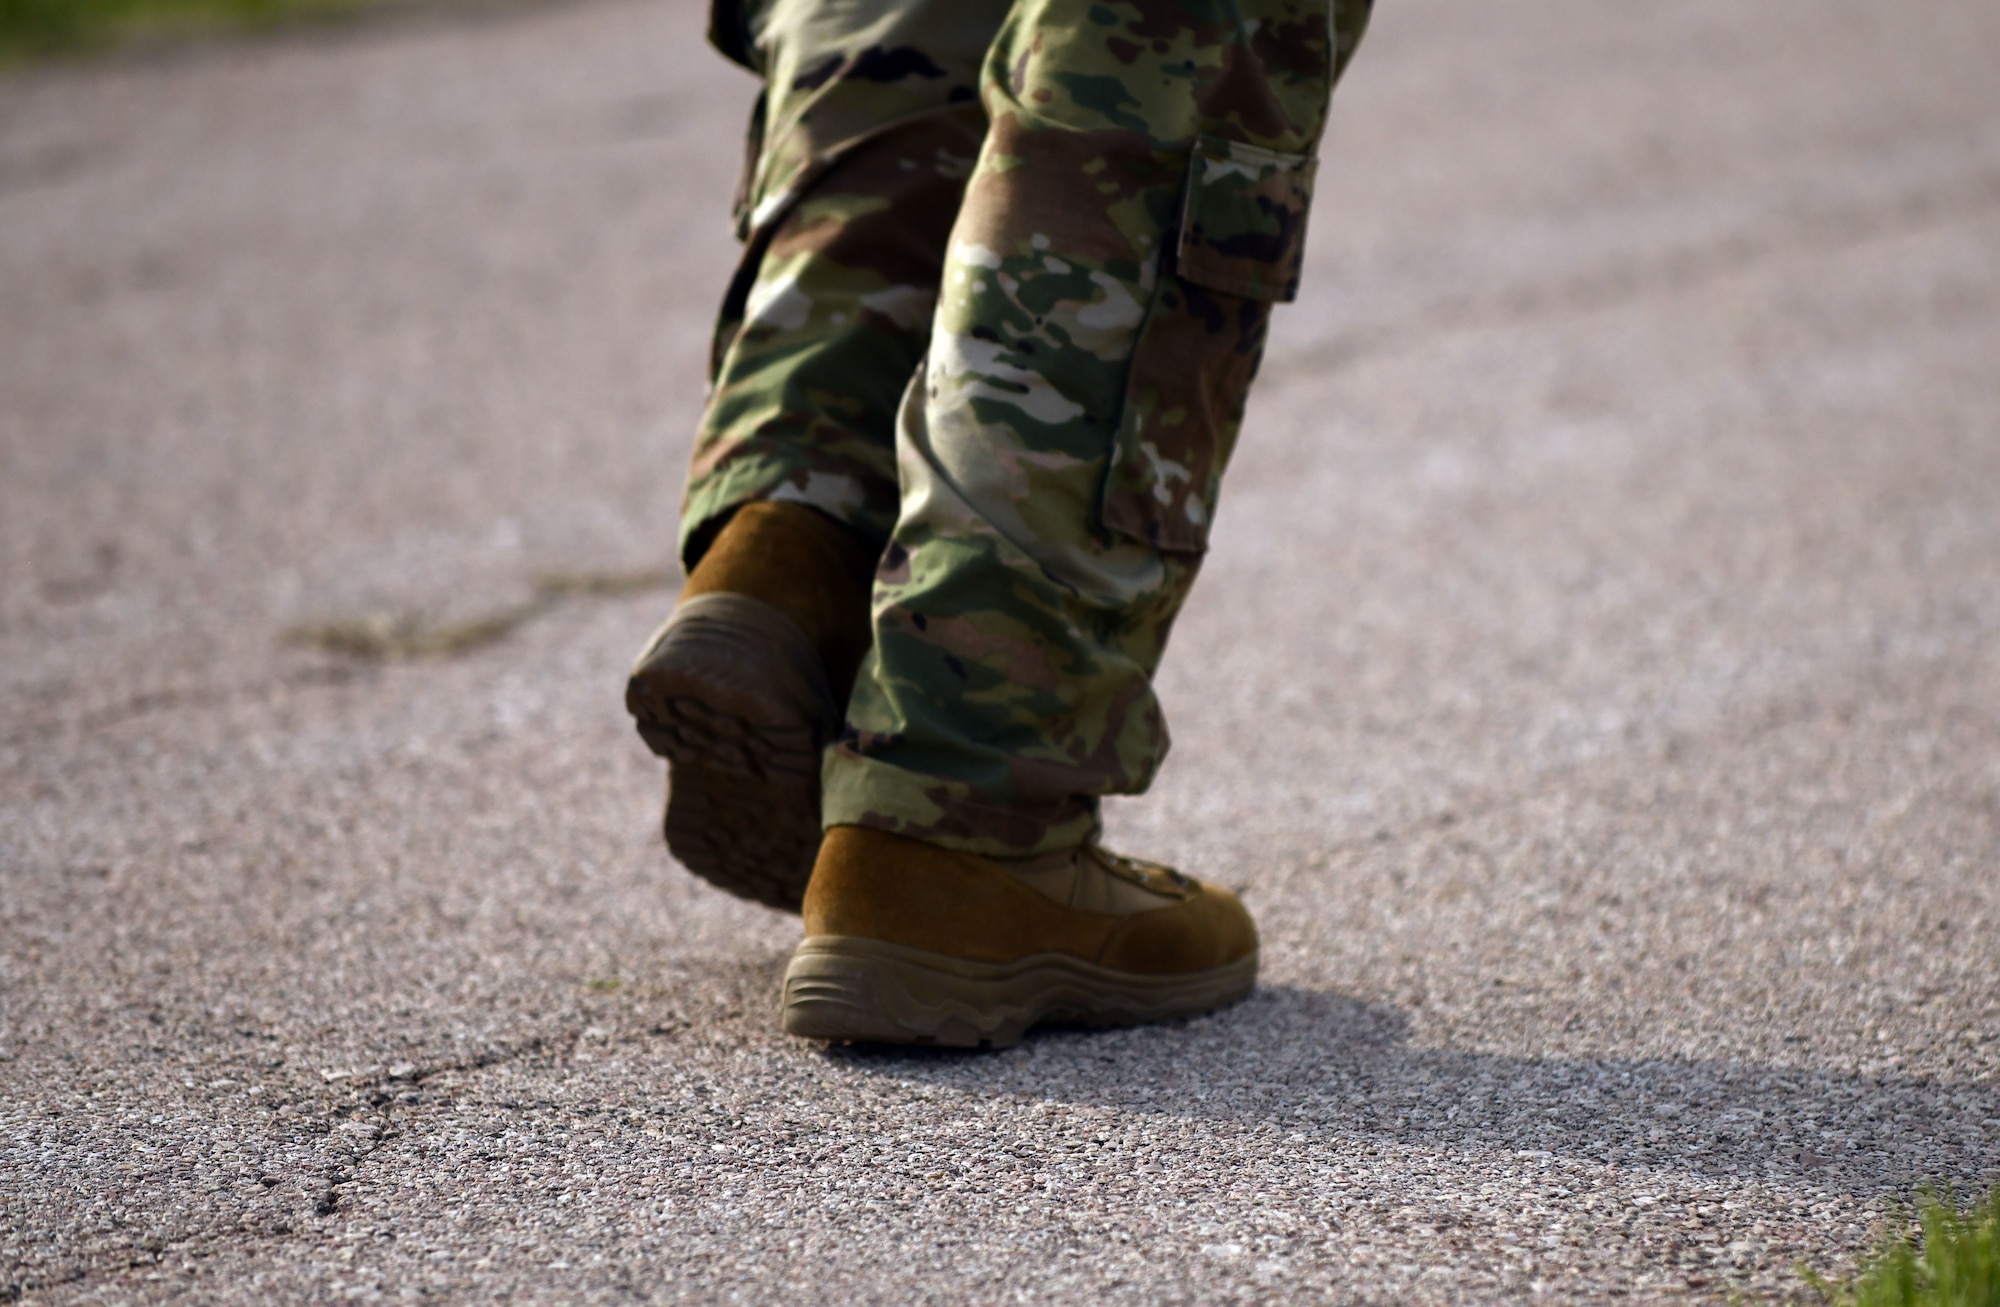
[[379, 1097], [363, 642], [382, 635]]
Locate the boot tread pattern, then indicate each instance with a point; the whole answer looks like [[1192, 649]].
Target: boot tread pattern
[[732, 696]]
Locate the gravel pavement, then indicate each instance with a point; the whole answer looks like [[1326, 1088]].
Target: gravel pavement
[[1595, 690]]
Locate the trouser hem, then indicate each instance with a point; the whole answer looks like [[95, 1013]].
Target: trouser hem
[[945, 811], [707, 512]]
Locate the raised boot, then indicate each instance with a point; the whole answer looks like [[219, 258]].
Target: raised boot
[[909, 943], [744, 684]]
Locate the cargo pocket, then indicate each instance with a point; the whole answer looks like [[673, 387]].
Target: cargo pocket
[[1241, 241]]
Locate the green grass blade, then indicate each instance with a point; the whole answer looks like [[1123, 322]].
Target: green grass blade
[[1958, 1264]]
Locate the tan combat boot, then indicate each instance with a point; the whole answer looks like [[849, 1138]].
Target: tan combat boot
[[744, 685], [908, 943]]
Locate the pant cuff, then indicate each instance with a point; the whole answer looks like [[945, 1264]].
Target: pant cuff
[[861, 791], [839, 497]]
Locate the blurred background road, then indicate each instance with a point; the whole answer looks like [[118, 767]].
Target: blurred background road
[[1595, 689]]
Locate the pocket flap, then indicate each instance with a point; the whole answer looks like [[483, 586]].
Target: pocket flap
[[1244, 226]]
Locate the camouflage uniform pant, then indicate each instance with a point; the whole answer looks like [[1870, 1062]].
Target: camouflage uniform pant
[[1009, 265]]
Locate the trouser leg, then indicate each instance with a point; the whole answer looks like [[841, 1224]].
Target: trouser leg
[[1136, 208], [861, 147]]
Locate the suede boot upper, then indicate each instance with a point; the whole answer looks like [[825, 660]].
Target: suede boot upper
[[1141, 919], [804, 564]]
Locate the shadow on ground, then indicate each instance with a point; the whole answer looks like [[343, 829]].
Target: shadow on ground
[[1334, 1068]]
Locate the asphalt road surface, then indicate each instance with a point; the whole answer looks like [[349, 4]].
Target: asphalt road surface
[[1595, 689]]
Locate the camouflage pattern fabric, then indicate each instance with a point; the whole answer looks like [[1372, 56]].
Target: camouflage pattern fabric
[[860, 147], [1137, 204]]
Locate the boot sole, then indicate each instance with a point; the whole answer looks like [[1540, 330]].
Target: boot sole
[[852, 989], [731, 693]]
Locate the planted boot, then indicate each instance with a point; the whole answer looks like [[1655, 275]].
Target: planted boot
[[744, 685], [908, 943]]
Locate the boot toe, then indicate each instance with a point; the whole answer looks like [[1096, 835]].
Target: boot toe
[[1210, 929]]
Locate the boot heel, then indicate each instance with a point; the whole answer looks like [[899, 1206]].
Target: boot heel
[[732, 694]]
